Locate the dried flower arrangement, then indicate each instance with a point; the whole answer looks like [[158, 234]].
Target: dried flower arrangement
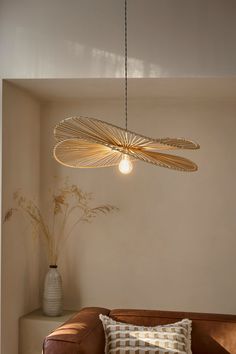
[[69, 206]]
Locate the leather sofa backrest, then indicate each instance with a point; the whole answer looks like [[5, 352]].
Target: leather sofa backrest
[[211, 334]]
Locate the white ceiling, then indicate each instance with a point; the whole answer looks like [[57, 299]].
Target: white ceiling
[[165, 88]]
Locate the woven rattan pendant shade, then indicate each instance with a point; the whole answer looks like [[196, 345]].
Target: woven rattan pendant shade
[[88, 142]]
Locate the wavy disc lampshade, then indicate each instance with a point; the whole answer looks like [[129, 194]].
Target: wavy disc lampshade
[[89, 143]]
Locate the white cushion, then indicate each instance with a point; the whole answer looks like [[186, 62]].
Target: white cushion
[[124, 338]]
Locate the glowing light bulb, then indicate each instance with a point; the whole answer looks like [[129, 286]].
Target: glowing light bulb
[[125, 165]]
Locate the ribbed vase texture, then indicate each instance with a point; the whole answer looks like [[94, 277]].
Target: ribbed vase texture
[[52, 294]]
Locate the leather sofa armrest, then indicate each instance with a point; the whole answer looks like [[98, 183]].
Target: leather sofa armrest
[[82, 334]]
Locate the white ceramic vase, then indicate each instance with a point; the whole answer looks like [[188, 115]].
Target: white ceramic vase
[[52, 294]]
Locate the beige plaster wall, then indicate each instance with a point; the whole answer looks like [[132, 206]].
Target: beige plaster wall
[[167, 38], [20, 252], [172, 245]]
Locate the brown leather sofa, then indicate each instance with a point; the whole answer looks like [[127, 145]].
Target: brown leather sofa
[[83, 334]]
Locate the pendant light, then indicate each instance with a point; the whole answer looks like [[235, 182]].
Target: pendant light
[[84, 142]]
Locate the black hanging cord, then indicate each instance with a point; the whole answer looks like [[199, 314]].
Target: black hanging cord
[[126, 69]]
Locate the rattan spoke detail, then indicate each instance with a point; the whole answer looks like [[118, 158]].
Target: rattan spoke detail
[[89, 143]]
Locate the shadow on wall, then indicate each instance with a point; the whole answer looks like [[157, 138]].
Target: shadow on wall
[[112, 65]]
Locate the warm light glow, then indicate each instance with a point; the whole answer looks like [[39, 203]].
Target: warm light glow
[[125, 165]]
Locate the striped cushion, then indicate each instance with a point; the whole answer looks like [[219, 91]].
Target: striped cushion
[[123, 338]]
